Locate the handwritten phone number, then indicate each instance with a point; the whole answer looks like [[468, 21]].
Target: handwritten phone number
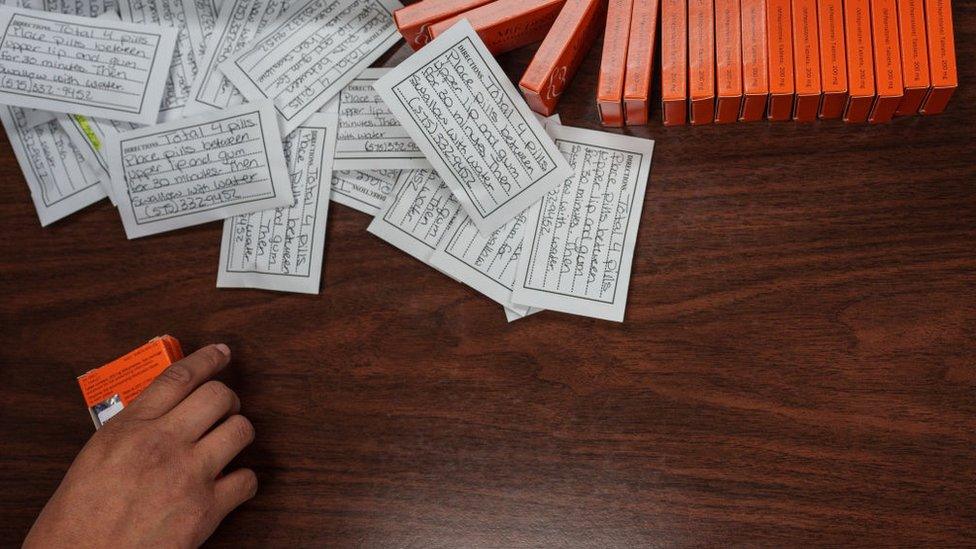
[[189, 203]]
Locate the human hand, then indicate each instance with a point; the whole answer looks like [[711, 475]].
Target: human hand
[[149, 477]]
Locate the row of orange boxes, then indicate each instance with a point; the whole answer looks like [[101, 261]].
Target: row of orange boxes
[[721, 60], [860, 60]]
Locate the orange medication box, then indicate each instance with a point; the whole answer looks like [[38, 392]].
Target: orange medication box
[[860, 60], [701, 60], [640, 61], [833, 61], [942, 55], [560, 54], [914, 55], [110, 388], [887, 61], [414, 21], [806, 61], [779, 39], [613, 63], [755, 68], [728, 60], [505, 25], [674, 62]]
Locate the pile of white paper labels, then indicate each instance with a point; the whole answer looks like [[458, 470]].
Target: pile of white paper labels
[[185, 111]]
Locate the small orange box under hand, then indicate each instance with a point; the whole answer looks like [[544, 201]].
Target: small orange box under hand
[[728, 60], [755, 66], [887, 61], [110, 388], [942, 56], [860, 60], [779, 39], [833, 60], [701, 60], [504, 25], [674, 61], [613, 63]]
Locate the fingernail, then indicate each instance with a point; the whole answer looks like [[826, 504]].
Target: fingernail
[[223, 349]]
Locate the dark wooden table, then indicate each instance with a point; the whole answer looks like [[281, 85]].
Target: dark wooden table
[[796, 366]]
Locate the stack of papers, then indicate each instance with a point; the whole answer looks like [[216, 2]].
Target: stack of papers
[[256, 112], [534, 215]]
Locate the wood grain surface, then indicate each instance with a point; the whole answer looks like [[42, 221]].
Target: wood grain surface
[[796, 366]]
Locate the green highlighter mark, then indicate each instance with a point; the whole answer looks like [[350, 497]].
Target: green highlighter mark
[[89, 132]]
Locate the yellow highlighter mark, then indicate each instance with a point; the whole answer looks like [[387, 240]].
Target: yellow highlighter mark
[[89, 132]]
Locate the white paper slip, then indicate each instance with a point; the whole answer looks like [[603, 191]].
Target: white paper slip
[[486, 263], [238, 22], [512, 316], [579, 240], [546, 120], [89, 135], [207, 12], [316, 48], [33, 117], [370, 137], [196, 170], [96, 67], [52, 167], [365, 190], [193, 20], [282, 249], [89, 167], [474, 127], [417, 214], [85, 8]]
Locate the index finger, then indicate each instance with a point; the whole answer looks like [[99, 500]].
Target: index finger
[[179, 380]]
